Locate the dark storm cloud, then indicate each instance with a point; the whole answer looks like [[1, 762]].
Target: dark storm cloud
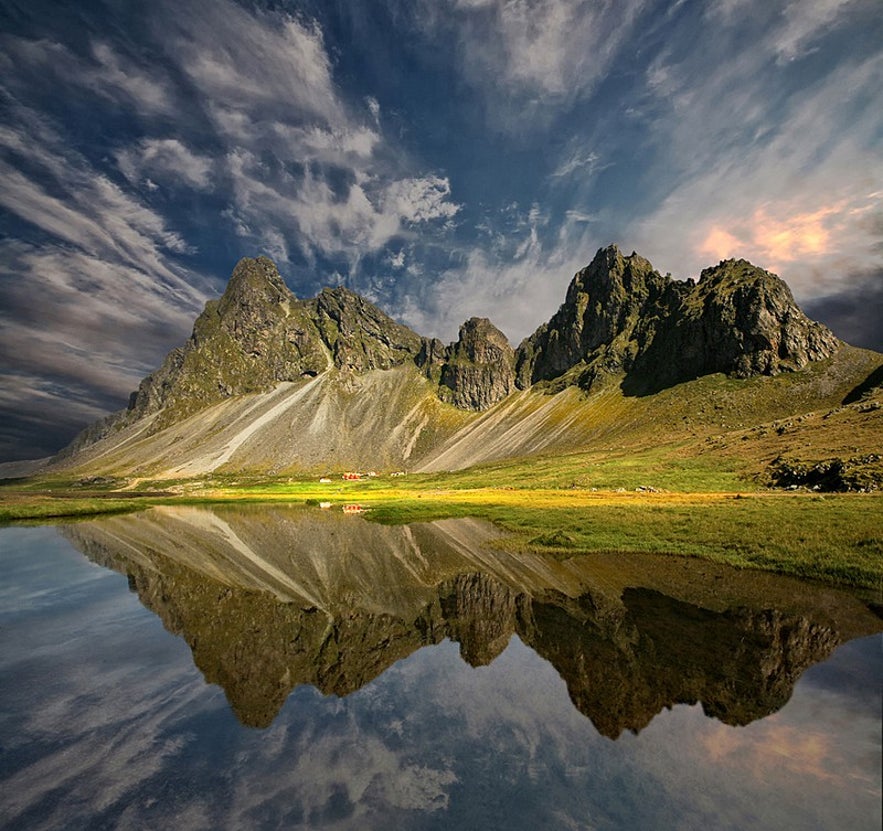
[[854, 314]]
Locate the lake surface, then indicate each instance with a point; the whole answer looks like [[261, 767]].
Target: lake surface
[[275, 667]]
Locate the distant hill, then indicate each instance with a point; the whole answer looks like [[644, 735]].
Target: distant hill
[[271, 383]]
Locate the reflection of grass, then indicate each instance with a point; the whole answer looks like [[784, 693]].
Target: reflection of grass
[[567, 505], [38, 507], [835, 538]]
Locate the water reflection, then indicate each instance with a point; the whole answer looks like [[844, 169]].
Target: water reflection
[[272, 598]]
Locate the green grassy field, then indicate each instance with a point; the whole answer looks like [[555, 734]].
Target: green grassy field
[[660, 500]]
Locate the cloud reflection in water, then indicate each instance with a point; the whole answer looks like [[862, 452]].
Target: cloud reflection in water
[[106, 719]]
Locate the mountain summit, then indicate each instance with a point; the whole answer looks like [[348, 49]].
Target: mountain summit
[[259, 334], [622, 317], [271, 382]]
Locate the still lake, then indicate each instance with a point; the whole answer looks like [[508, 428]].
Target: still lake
[[286, 667]]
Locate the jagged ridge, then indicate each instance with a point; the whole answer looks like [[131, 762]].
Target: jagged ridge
[[621, 321], [259, 334]]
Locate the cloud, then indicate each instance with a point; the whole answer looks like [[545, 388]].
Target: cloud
[[360, 216], [79, 333], [373, 108], [305, 171], [420, 199], [118, 78], [258, 63], [517, 278], [103, 72], [804, 21], [534, 54], [579, 161], [93, 302], [782, 234], [166, 159], [763, 171], [56, 189], [854, 312]]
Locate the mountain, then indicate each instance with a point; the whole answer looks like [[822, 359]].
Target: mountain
[[269, 382], [621, 317]]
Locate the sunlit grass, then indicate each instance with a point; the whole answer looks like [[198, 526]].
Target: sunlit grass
[[660, 501], [35, 507]]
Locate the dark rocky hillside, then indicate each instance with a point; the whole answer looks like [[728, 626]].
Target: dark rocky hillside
[[623, 319], [620, 317], [479, 368], [258, 334]]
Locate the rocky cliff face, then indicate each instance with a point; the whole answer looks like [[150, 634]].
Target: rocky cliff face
[[258, 334], [479, 369], [621, 321], [622, 318], [600, 326], [359, 335]]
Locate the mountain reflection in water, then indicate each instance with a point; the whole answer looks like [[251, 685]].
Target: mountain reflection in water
[[269, 598]]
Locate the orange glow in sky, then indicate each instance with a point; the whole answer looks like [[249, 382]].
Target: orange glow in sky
[[770, 237], [802, 752]]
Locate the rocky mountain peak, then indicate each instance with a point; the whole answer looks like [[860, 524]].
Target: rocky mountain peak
[[610, 275], [258, 334], [621, 321], [621, 318], [482, 342], [360, 336], [254, 283], [738, 319], [595, 325], [479, 367]]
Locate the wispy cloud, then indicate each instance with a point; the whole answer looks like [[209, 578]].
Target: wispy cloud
[[578, 161], [527, 57], [167, 160], [271, 66], [765, 172], [517, 277], [306, 171], [90, 305], [797, 23], [242, 106], [101, 70]]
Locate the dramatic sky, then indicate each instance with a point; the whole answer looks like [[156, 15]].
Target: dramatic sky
[[446, 158]]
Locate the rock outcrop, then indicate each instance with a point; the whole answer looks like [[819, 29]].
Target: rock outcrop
[[600, 325], [621, 322], [479, 369], [739, 320], [359, 335], [622, 318], [258, 334]]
